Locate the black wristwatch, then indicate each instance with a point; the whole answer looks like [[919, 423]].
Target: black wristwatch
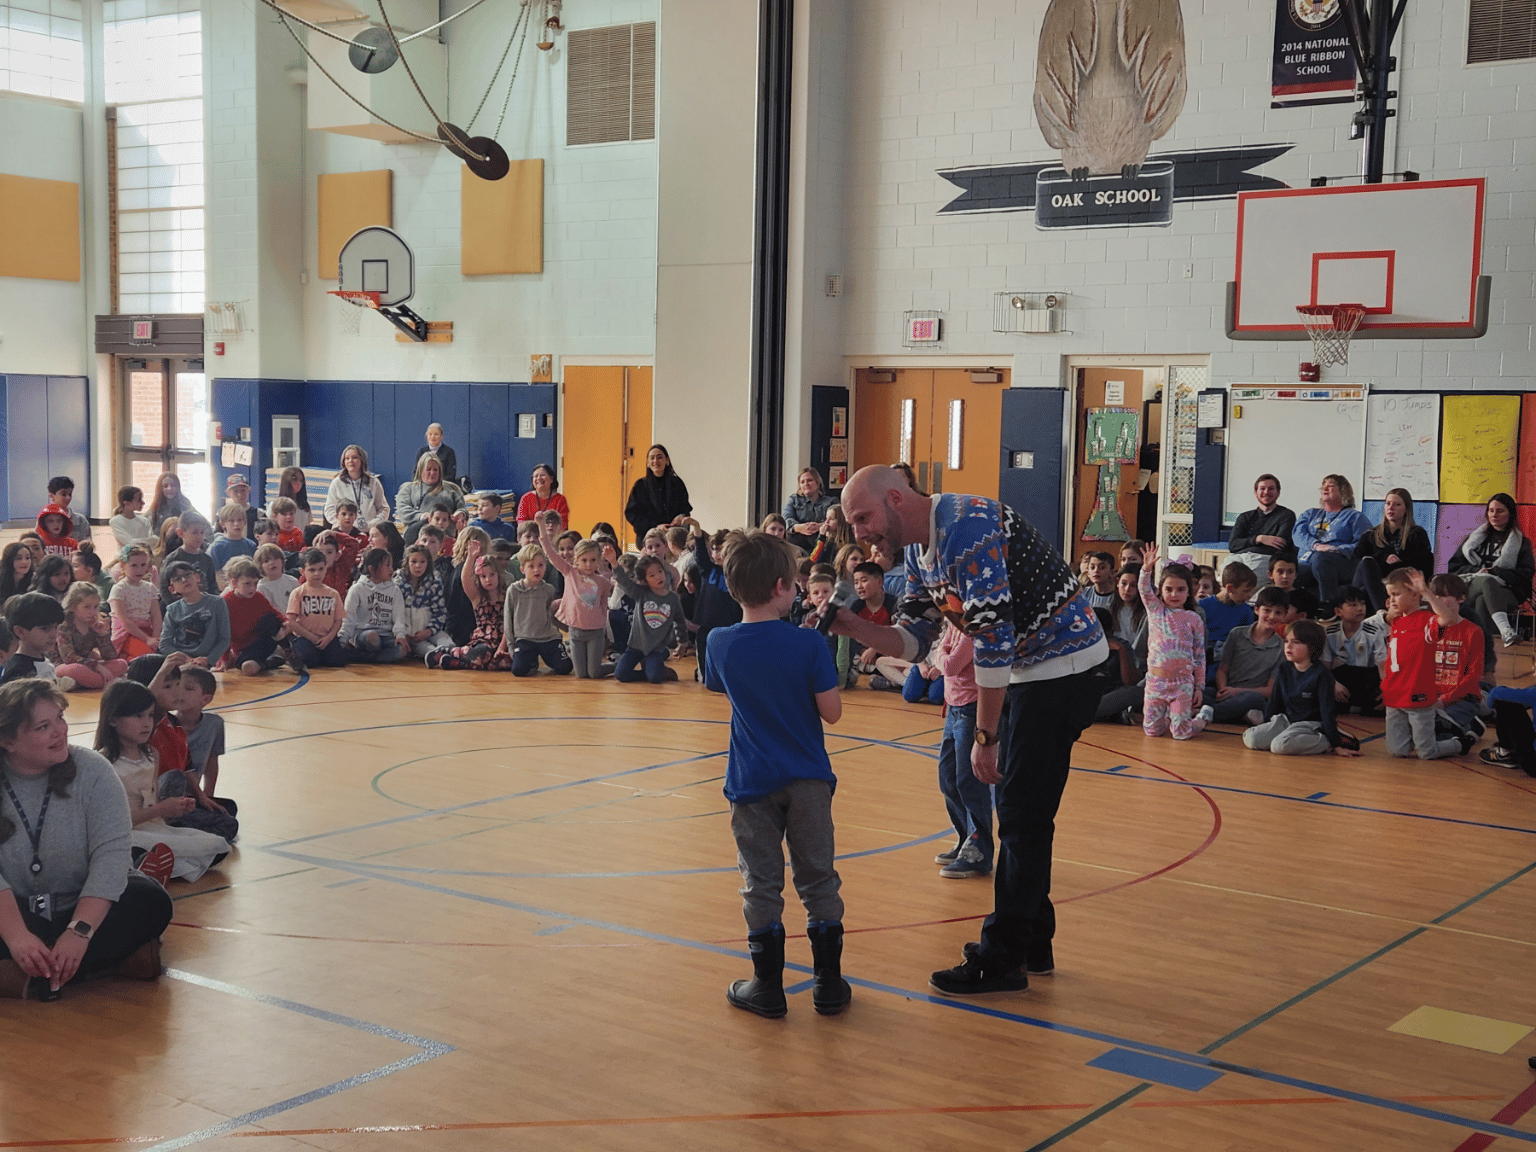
[[984, 738]]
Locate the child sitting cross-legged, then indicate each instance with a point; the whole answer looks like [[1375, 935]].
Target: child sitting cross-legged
[[276, 582], [1299, 717], [1356, 653], [529, 626], [486, 590], [373, 631], [426, 612], [202, 733], [86, 654], [255, 624], [314, 617], [782, 687], [657, 621], [195, 622]]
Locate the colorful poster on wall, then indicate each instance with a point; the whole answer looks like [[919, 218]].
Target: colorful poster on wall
[[1313, 61], [1112, 434], [1478, 448], [839, 423]]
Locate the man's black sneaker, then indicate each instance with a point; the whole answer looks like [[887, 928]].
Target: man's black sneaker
[[973, 979], [1500, 756], [1041, 961]]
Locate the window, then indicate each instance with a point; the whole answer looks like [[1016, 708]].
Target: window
[[40, 52], [1500, 30], [610, 88], [154, 74]]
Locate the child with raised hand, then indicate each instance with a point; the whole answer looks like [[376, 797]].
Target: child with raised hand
[[529, 625], [1175, 653], [782, 687], [657, 623], [136, 616], [314, 617], [34, 620], [15, 570], [86, 654], [1299, 718], [123, 736], [374, 628], [426, 612], [195, 622], [584, 607], [485, 588], [468, 547], [255, 625]]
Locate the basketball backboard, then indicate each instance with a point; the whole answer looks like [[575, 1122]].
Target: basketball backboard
[[1410, 252], [376, 259]]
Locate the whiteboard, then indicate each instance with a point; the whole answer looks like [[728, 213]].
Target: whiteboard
[[1299, 441], [1402, 445]]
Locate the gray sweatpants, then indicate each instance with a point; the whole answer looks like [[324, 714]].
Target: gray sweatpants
[[1411, 731], [588, 646], [1280, 736], [801, 814]]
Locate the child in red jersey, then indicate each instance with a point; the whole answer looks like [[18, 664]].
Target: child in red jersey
[[1409, 687], [1458, 655]]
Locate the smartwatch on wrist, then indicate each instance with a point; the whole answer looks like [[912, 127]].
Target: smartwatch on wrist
[[81, 929]]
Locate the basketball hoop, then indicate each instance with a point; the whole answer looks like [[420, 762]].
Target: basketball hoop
[[351, 322], [1331, 326]]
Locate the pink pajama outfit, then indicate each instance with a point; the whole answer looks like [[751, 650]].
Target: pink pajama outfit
[[1176, 647]]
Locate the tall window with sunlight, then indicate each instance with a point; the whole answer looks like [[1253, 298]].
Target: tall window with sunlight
[[153, 56], [40, 53]]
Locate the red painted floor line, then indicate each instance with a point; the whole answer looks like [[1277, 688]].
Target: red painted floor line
[[1511, 1112]]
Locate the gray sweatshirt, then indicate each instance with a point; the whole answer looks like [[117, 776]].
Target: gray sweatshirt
[[373, 607], [200, 629], [85, 844], [658, 618], [530, 613]]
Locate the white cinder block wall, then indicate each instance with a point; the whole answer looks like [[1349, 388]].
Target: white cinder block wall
[[43, 326], [940, 85], [597, 293]]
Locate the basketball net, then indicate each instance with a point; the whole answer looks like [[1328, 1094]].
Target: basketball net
[[351, 317], [1331, 326]]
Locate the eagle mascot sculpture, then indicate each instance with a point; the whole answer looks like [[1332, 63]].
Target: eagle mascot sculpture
[[1110, 81]]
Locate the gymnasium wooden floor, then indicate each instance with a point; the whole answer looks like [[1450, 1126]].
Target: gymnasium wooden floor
[[470, 912]]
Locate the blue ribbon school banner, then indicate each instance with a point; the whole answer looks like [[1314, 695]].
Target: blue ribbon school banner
[[1146, 197], [1313, 63]]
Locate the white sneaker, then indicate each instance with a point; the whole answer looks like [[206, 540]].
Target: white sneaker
[[1510, 639], [1254, 717], [64, 683], [1206, 713]]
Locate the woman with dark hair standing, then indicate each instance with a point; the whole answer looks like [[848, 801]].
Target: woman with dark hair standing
[[1496, 562], [659, 498], [69, 904], [543, 497], [1397, 542]]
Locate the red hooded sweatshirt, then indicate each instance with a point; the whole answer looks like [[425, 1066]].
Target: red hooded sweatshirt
[[61, 545]]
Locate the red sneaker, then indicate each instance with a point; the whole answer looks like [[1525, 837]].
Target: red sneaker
[[158, 863]]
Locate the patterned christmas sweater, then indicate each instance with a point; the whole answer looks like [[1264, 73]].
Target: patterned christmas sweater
[[996, 579]]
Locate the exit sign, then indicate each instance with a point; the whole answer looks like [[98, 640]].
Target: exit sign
[[143, 329], [923, 330]]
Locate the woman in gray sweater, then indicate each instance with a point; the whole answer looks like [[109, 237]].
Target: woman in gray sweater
[[69, 904]]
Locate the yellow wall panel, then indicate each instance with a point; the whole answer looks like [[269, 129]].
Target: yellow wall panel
[[39, 228], [503, 221], [349, 201]]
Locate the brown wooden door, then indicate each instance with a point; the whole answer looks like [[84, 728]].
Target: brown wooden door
[[1092, 385], [909, 420]]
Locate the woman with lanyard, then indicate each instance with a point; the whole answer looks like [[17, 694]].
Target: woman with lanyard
[[545, 497], [357, 484], [422, 493], [69, 904]]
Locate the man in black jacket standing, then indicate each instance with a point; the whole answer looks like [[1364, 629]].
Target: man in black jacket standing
[[1264, 531]]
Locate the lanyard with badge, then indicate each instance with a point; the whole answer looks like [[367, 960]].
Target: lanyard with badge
[[35, 836]]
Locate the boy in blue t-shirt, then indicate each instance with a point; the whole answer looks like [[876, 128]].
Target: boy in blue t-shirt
[[782, 684], [1228, 609]]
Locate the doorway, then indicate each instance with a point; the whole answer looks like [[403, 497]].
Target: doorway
[[605, 426], [944, 422], [165, 427]]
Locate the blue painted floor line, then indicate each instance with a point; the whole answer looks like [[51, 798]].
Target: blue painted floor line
[[1170, 1073], [1315, 796], [426, 1050], [302, 680], [1196, 1059]]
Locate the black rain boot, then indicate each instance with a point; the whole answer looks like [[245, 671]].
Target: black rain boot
[[764, 993], [831, 993]]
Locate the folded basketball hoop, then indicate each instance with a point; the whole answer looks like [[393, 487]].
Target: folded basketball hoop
[[1331, 326]]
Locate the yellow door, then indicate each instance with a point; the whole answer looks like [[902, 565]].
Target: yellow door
[[606, 417], [966, 438], [891, 422]]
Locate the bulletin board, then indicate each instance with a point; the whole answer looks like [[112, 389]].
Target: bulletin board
[[346, 203], [1479, 448], [39, 228], [502, 226], [1402, 445]]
